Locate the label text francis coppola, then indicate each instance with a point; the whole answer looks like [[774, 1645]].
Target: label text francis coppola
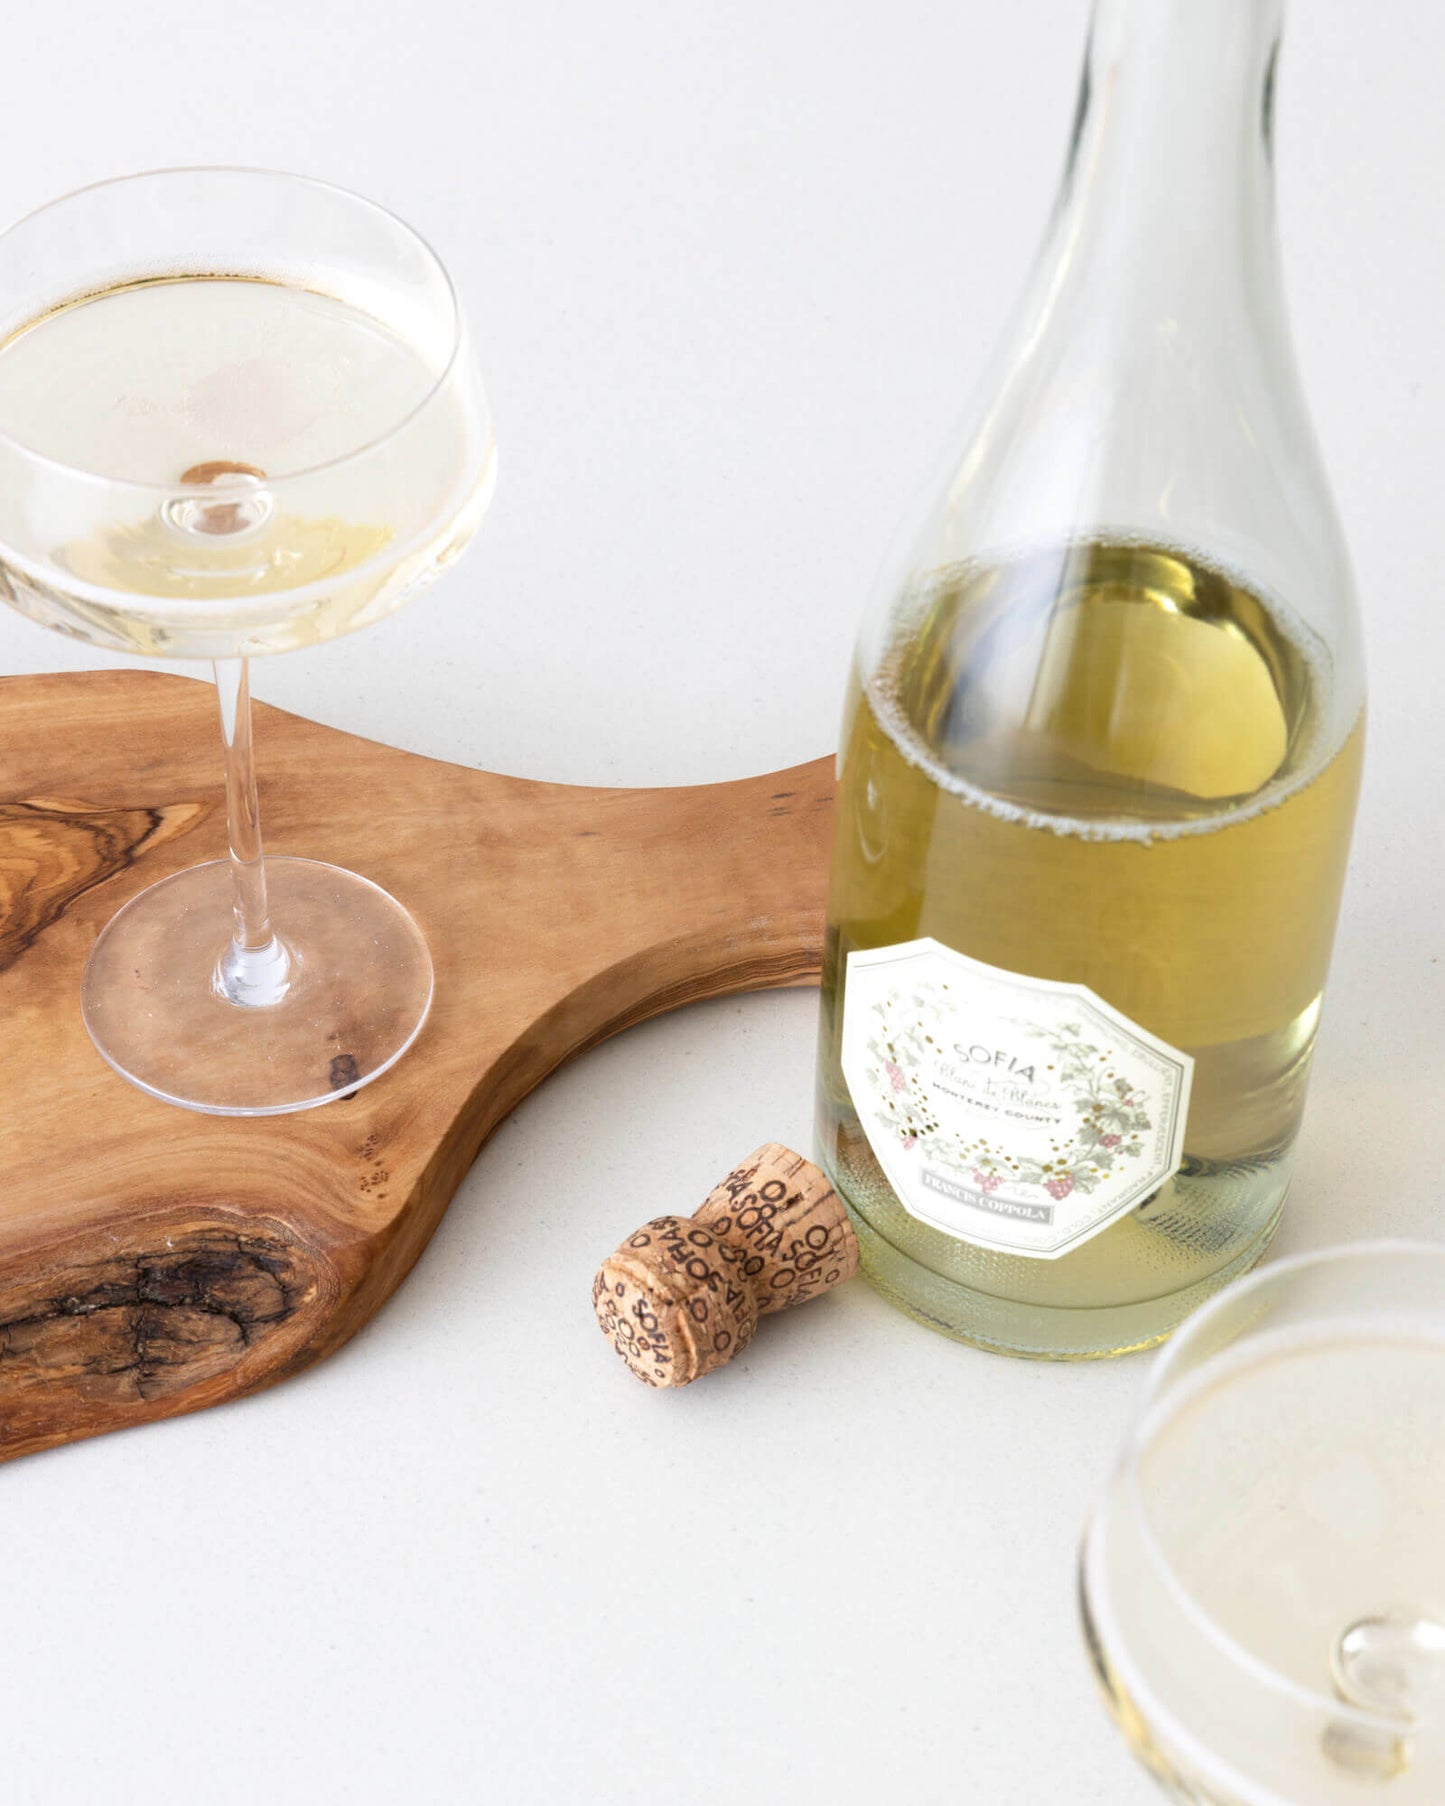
[[1001, 1207]]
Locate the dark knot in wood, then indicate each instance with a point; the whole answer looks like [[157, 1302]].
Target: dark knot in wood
[[142, 1326]]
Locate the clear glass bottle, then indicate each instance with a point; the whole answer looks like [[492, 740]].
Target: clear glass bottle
[[1101, 752]]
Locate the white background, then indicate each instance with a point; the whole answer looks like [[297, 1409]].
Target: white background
[[733, 268]]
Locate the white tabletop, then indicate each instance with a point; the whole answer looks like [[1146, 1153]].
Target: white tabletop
[[733, 268]]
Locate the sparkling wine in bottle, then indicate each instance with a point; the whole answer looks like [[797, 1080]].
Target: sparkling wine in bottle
[[1100, 754]]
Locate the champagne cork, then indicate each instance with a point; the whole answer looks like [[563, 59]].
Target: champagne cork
[[684, 1294]]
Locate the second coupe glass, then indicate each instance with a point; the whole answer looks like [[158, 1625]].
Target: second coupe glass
[[1264, 1581]]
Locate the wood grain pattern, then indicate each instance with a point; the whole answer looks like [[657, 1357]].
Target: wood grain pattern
[[153, 1261]]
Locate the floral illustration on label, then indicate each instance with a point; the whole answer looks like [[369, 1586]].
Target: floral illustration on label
[[1019, 1114]]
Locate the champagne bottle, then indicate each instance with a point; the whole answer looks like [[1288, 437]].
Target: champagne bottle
[[1100, 754]]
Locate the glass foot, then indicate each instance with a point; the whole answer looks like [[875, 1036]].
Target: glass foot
[[357, 988]]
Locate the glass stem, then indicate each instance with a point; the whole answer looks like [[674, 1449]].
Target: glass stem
[[254, 971]]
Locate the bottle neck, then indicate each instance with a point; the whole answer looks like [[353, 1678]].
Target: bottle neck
[[1170, 167], [1146, 391]]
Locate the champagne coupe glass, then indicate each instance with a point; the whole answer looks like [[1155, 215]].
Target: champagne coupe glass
[[1263, 1585], [239, 414]]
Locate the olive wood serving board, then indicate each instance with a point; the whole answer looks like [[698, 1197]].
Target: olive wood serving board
[[155, 1261]]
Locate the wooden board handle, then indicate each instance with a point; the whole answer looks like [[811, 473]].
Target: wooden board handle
[[153, 1261]]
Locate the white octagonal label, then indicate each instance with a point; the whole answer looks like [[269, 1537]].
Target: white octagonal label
[[1014, 1113]]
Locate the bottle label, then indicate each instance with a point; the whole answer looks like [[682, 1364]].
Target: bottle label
[[1011, 1112]]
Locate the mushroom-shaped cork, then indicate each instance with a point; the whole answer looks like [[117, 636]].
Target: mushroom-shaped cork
[[684, 1294]]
